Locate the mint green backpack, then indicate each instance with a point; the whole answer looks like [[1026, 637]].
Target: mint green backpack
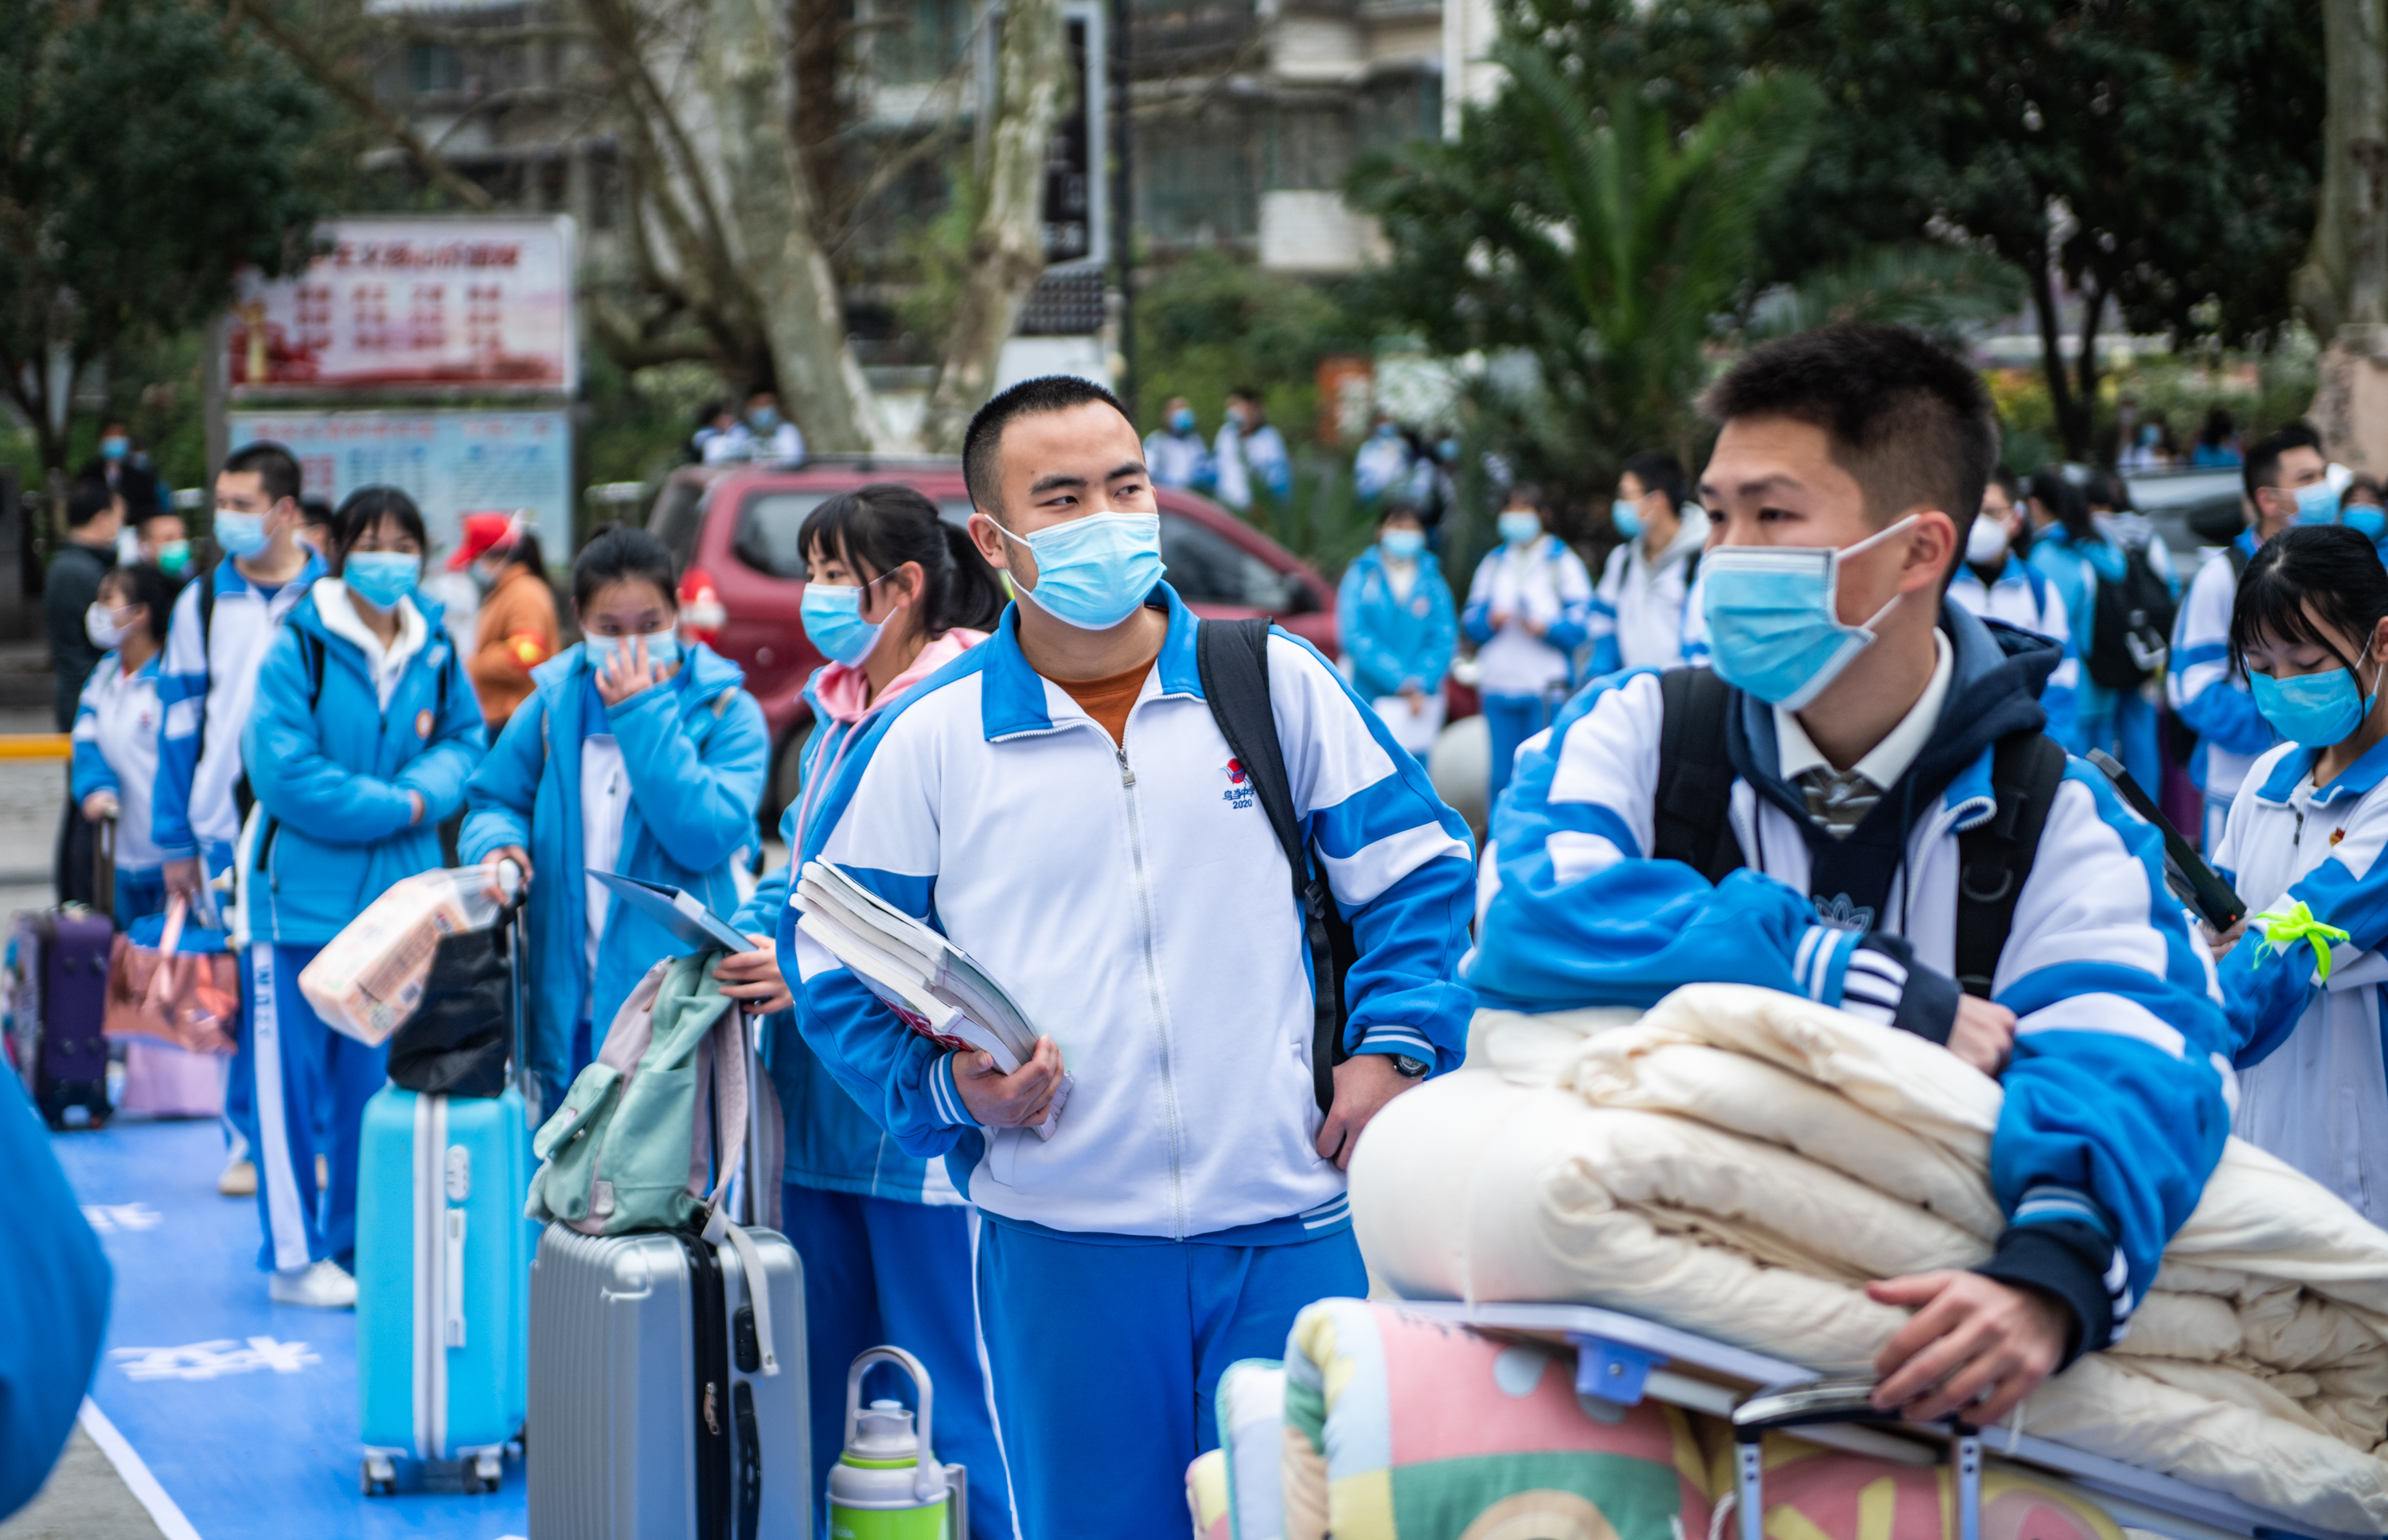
[[631, 1148]]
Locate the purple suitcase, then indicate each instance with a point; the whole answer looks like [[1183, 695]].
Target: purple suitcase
[[61, 1005]]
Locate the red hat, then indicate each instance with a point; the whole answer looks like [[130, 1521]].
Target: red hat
[[483, 534]]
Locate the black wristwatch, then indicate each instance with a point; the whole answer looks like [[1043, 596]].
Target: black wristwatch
[[1411, 1068]]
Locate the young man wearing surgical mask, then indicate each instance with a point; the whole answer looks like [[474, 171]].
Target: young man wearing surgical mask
[[1528, 609], [1866, 723], [1639, 610], [1173, 452], [1065, 802], [763, 434], [1996, 583], [223, 622], [2287, 482]]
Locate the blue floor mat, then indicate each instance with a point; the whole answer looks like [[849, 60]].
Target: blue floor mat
[[244, 1410]]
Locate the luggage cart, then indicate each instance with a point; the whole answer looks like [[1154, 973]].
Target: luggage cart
[[1622, 1358]]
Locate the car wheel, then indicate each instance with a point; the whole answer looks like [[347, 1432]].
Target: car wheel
[[786, 776]]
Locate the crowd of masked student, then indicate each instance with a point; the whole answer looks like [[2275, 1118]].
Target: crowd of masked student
[[1874, 624]]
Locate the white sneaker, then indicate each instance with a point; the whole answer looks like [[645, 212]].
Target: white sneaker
[[321, 1286], [239, 1178]]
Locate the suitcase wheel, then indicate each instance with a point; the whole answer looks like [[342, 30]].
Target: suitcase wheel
[[487, 1474], [377, 1477]]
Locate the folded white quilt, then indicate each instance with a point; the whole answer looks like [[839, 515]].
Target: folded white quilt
[[1739, 1163]]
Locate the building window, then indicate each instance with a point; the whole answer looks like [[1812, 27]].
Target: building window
[[1193, 177], [1309, 146], [431, 67], [920, 40], [1398, 109]]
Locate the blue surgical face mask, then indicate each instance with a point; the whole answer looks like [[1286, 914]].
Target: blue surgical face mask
[[1625, 517], [2317, 504], [381, 578], [2316, 710], [1775, 623], [1521, 529], [1403, 544], [1094, 573], [663, 647], [240, 533], [833, 620], [1182, 419], [2371, 520], [115, 447], [764, 418]]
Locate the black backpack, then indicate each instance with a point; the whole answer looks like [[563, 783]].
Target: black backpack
[[1692, 822], [2131, 631], [1232, 656]]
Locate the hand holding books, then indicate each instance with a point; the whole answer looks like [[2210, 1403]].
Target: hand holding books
[[1016, 1101]]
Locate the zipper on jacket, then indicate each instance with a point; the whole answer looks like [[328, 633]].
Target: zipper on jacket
[[1152, 986]]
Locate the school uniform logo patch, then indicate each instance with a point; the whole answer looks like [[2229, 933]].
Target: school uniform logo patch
[[423, 723], [1239, 792]]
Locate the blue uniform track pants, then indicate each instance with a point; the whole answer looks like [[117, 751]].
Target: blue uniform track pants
[[308, 1090], [1105, 1358], [1511, 719], [879, 1270]]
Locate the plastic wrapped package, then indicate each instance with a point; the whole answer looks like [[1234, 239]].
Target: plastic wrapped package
[[370, 977]]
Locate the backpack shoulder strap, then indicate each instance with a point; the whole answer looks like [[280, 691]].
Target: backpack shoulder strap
[[2238, 558], [1232, 657], [1994, 857], [1691, 808]]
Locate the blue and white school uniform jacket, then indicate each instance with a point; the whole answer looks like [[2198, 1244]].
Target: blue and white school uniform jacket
[[2024, 598], [2313, 1087], [1136, 904], [1544, 580], [209, 682], [1639, 611], [2115, 1110], [694, 750], [1390, 638], [116, 750], [332, 778], [2205, 692]]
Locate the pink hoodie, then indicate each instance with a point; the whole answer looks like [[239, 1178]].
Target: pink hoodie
[[840, 688]]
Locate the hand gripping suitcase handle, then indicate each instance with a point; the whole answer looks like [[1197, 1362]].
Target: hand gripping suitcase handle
[[1841, 1401]]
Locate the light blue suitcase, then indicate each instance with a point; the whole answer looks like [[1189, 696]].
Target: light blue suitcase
[[443, 1283]]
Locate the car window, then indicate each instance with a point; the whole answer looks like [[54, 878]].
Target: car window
[[769, 523], [1205, 567], [676, 516]]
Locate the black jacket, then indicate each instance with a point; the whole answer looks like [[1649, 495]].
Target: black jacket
[[69, 589]]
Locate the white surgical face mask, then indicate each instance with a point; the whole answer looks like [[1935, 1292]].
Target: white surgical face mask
[[99, 623], [1986, 544]]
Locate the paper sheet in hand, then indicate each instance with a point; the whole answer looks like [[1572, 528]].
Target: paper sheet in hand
[[934, 987], [678, 911]]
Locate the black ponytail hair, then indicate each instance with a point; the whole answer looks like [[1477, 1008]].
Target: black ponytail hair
[[145, 584], [364, 511], [620, 553], [883, 525], [2050, 487], [2333, 569]]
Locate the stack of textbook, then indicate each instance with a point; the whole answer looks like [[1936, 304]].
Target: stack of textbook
[[931, 985]]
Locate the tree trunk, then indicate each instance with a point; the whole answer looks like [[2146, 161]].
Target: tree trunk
[[2081, 434], [750, 81], [2051, 346], [2345, 277], [1007, 249]]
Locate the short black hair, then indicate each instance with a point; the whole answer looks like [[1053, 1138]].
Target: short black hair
[[2263, 460], [1658, 472], [276, 468], [621, 553], [2063, 496], [2369, 484], [1909, 420], [365, 509], [885, 524], [2107, 489], [1525, 494], [317, 512], [87, 498], [985, 437], [145, 584], [2333, 569], [2004, 480]]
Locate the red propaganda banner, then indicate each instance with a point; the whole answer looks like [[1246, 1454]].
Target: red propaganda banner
[[412, 304]]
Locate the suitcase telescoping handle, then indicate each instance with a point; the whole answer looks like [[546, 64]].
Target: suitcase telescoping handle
[[509, 914], [1838, 1400]]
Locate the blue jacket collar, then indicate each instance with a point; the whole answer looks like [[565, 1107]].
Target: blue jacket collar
[[1373, 561], [1011, 694], [228, 579], [307, 615], [2246, 543], [2357, 780]]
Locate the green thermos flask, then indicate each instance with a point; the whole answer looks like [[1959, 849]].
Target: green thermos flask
[[888, 1485]]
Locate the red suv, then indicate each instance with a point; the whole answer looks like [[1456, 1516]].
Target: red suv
[[733, 529]]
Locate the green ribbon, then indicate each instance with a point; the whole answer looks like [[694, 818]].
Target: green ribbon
[[2283, 931]]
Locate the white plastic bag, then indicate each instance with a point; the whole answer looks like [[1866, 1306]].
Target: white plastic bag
[[369, 978]]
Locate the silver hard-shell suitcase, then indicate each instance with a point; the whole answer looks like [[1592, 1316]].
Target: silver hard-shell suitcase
[[651, 1414]]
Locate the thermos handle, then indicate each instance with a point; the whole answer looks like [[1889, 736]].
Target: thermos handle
[[928, 1477]]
